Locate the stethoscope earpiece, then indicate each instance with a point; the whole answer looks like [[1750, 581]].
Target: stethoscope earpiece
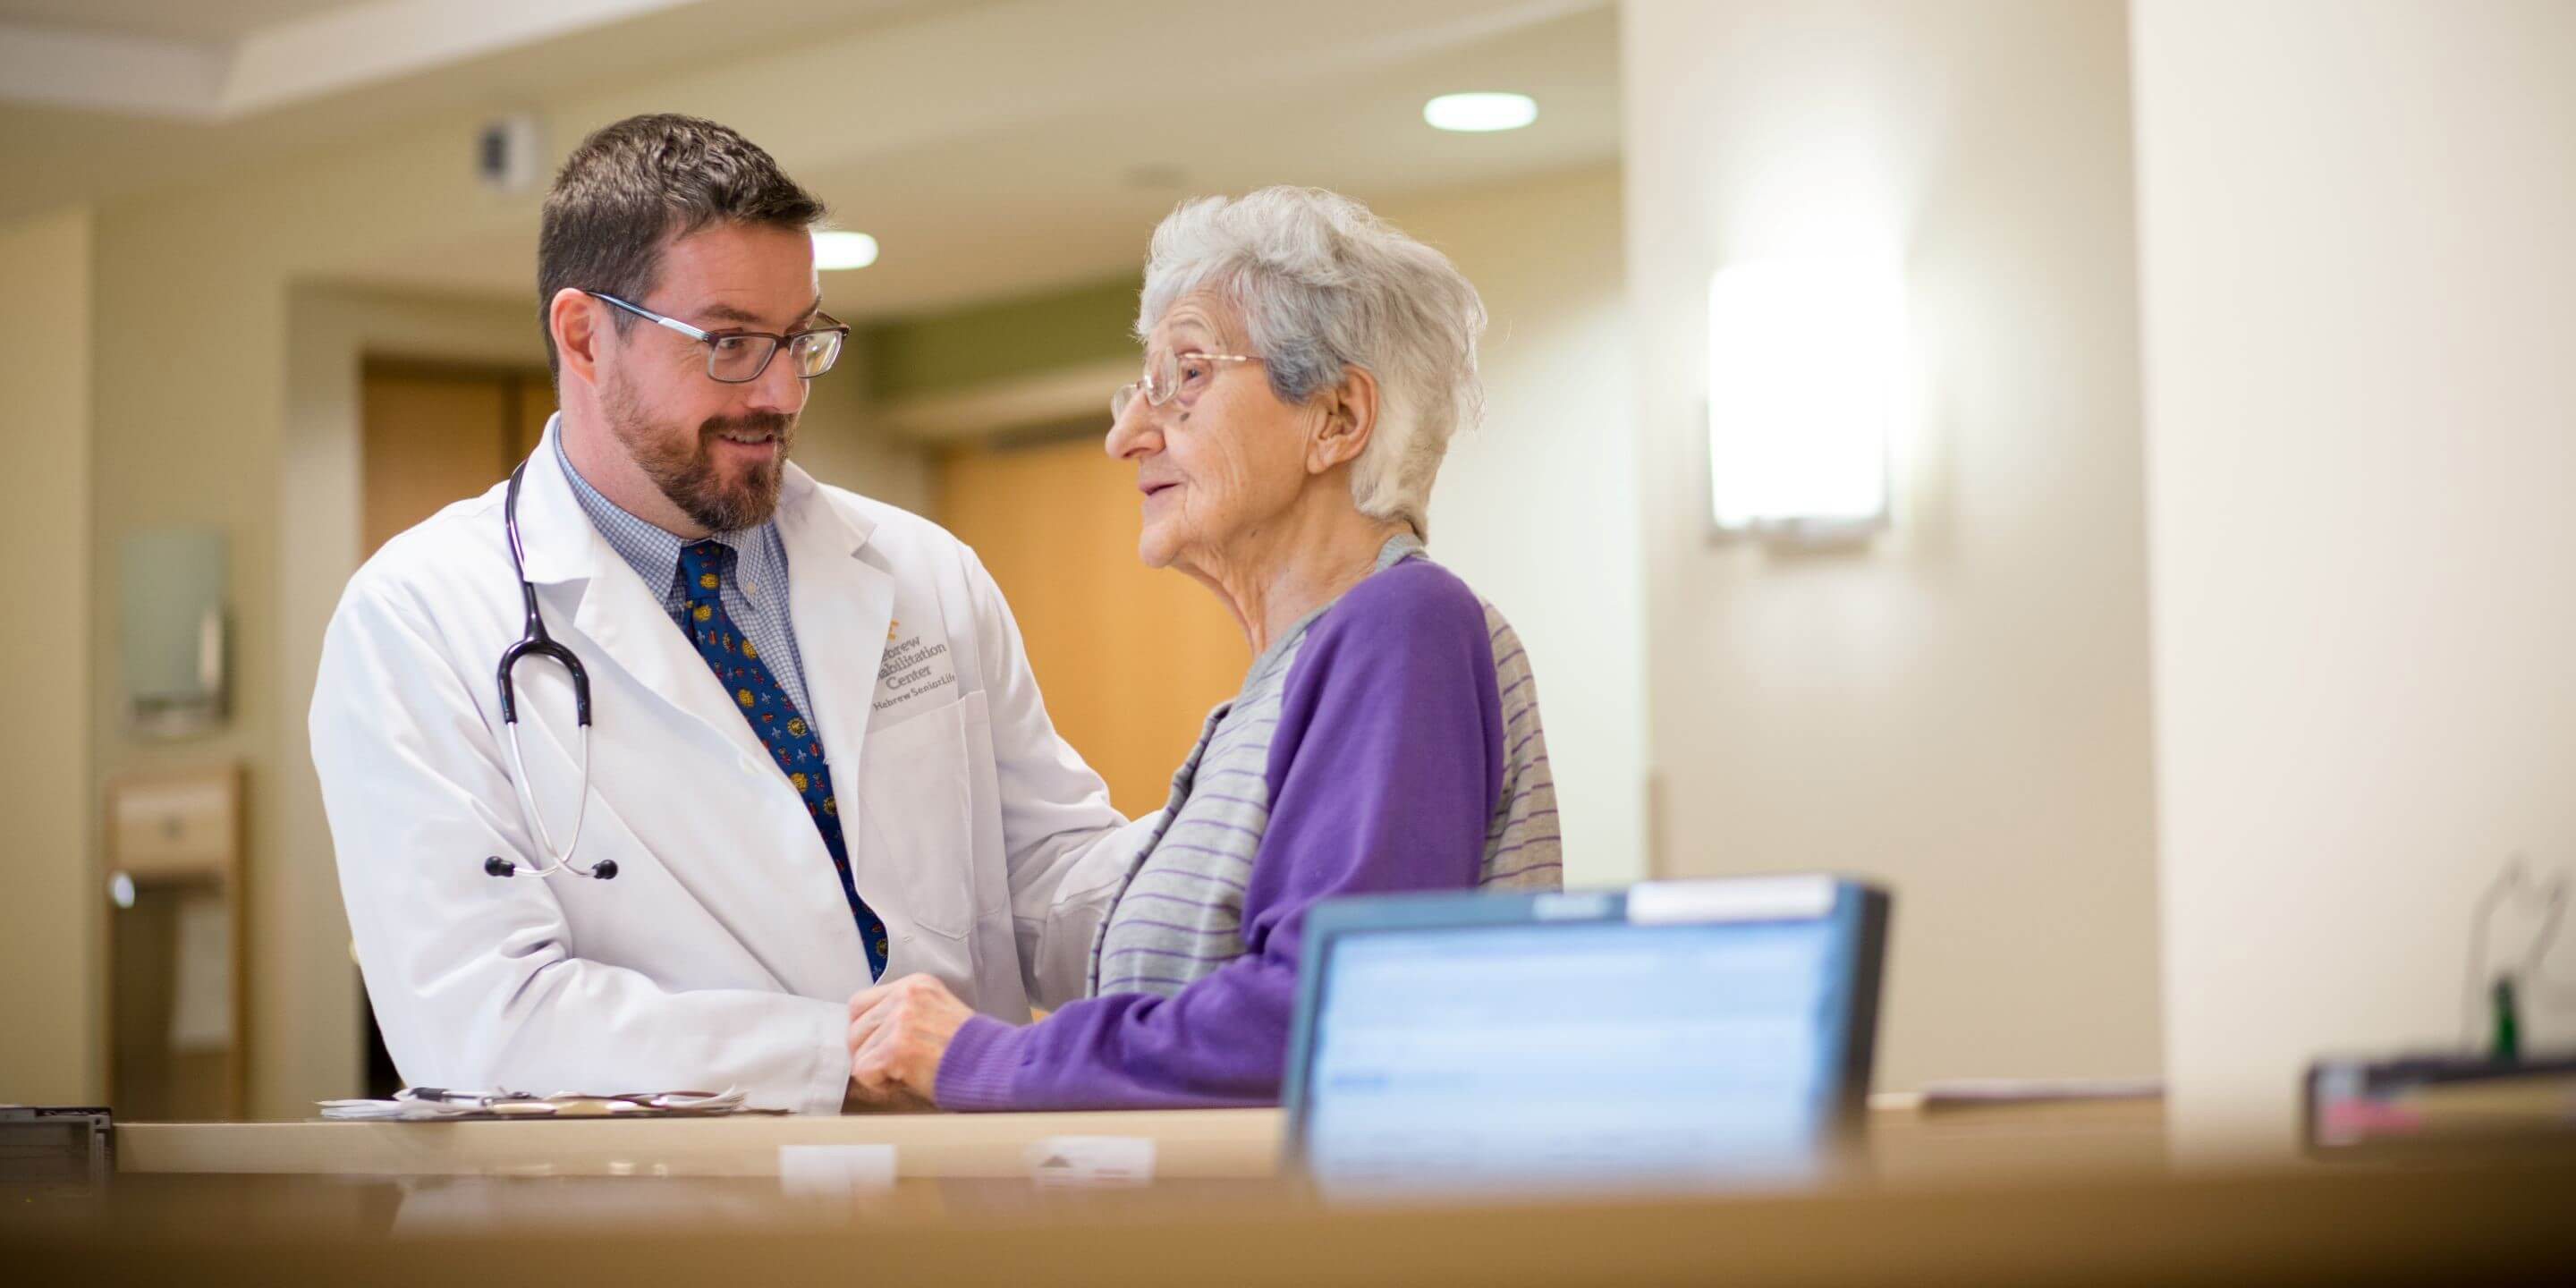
[[496, 866]]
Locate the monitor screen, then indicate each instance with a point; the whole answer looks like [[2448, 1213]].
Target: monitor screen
[[1591, 1055]]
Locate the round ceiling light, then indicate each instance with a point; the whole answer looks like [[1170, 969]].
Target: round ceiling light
[[1480, 113], [838, 250]]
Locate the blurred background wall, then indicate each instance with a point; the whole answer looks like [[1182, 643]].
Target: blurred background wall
[[2360, 284], [48, 920], [1959, 705], [2210, 662], [304, 283]]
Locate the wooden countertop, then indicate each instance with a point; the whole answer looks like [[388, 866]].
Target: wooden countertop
[[1904, 1143], [1188, 1144], [2459, 1225], [2001, 1196]]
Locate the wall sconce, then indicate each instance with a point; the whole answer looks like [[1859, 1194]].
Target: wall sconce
[[1807, 371]]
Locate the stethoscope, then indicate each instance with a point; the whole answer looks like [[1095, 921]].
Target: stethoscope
[[534, 642]]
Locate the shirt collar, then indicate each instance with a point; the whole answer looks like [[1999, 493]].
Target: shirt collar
[[653, 552]]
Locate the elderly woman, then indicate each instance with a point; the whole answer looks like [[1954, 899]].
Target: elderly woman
[[1305, 366]]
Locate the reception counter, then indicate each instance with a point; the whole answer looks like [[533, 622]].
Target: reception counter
[[1903, 1142], [1236, 1143], [2029, 1195]]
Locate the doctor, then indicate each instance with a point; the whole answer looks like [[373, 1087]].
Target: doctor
[[816, 753]]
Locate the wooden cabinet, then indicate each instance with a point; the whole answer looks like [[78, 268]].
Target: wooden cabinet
[[176, 946]]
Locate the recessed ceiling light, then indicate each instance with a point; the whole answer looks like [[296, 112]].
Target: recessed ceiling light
[[1480, 113], [837, 250]]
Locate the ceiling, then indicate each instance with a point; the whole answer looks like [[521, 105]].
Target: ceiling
[[998, 170], [218, 20], [108, 98]]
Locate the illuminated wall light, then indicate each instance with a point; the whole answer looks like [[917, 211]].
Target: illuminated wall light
[[1480, 113], [835, 250], [1807, 368]]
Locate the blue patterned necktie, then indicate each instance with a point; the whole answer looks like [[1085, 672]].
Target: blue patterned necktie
[[792, 742]]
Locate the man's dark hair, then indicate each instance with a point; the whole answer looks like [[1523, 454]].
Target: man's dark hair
[[631, 185]]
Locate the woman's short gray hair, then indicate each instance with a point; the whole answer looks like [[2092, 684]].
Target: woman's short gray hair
[[1322, 284]]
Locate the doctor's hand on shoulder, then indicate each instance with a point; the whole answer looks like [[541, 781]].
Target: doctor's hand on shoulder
[[898, 1033]]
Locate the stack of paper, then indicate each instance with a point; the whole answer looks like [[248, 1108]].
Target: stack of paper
[[426, 1104]]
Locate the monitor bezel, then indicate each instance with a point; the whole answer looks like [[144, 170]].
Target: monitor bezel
[[1859, 909]]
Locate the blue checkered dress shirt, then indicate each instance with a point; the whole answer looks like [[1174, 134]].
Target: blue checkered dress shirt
[[755, 598]]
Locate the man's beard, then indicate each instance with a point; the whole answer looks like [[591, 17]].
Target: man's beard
[[682, 463]]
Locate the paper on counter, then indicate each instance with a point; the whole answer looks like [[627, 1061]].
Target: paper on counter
[[2022, 1091], [1108, 1161], [410, 1105], [835, 1171]]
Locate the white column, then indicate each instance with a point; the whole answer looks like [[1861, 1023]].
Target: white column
[[2359, 233]]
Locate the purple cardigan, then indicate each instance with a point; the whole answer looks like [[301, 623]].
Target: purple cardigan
[[1383, 774]]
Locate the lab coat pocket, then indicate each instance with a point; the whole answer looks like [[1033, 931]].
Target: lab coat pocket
[[914, 786]]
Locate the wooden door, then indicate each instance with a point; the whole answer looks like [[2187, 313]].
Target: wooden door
[[1129, 659], [534, 405], [433, 436]]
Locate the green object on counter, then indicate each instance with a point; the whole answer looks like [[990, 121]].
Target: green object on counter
[[2507, 1046]]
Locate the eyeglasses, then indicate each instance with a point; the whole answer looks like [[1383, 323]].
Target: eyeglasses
[[1169, 377], [738, 357]]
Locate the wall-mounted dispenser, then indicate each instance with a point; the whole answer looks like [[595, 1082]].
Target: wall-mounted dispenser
[[173, 630]]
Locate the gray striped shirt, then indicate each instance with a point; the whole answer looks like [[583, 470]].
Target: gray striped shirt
[[1180, 917]]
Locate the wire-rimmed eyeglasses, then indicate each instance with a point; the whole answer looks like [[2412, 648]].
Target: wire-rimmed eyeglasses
[[738, 357], [1169, 377]]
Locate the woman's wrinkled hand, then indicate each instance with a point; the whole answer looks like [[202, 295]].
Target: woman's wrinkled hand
[[898, 1032]]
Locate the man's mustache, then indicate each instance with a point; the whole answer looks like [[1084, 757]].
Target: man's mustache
[[774, 424]]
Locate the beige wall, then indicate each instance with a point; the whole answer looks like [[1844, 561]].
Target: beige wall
[[2361, 306], [839, 441], [50, 915], [193, 439], [1961, 707], [1535, 509]]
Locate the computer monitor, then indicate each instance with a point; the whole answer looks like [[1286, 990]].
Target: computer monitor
[[1677, 1035]]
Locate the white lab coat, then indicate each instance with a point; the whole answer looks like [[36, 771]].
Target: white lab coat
[[724, 951]]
